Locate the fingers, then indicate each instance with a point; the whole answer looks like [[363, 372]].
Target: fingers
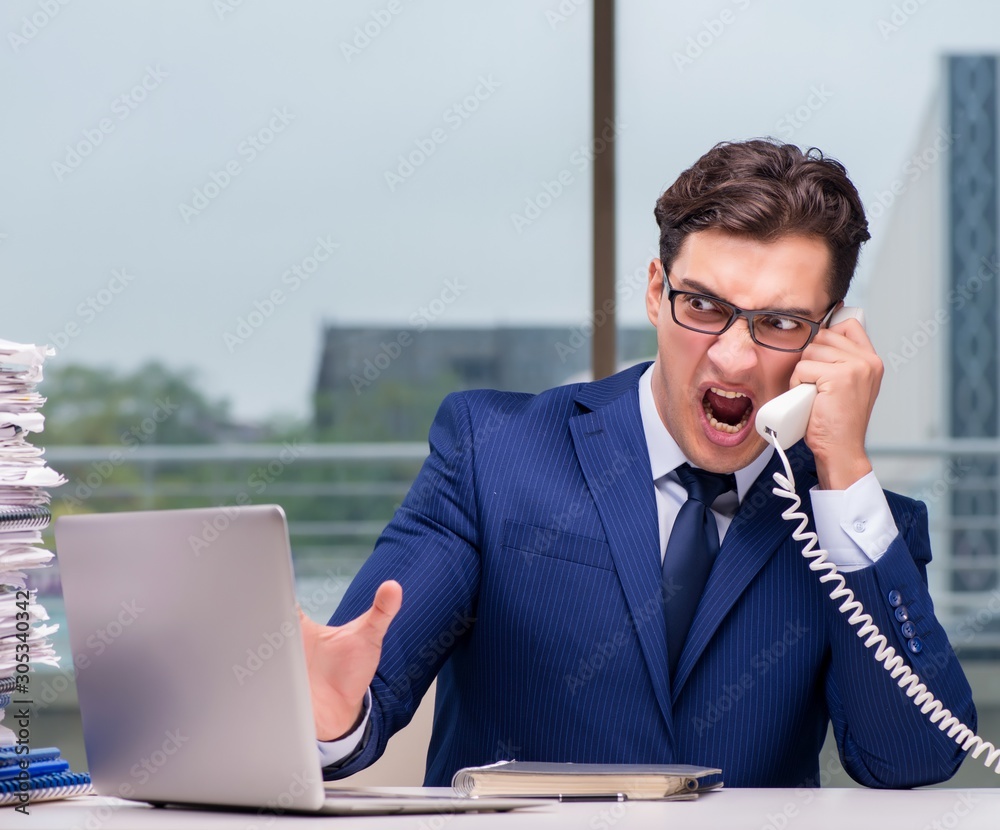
[[389, 598], [387, 602], [846, 345], [849, 337], [375, 621], [850, 330], [858, 378]]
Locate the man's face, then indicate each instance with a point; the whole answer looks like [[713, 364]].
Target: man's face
[[727, 377]]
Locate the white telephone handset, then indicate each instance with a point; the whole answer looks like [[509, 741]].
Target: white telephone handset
[[782, 422], [786, 417]]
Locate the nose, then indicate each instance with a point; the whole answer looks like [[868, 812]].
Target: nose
[[734, 352]]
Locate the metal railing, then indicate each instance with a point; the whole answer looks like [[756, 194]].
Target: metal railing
[[338, 497]]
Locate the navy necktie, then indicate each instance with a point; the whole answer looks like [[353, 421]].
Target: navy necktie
[[691, 550]]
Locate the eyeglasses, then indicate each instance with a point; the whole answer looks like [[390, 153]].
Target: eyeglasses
[[770, 329]]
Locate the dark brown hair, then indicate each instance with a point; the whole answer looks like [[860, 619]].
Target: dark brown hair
[[765, 190]]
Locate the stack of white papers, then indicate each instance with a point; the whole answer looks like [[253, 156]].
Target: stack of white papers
[[24, 513]]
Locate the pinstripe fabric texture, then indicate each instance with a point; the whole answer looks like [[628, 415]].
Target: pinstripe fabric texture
[[528, 554]]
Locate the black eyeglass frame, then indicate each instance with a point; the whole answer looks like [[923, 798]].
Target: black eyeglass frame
[[735, 312]]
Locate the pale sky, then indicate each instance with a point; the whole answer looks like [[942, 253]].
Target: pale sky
[[118, 114]]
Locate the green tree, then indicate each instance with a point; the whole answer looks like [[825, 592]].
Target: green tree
[[390, 410], [151, 405]]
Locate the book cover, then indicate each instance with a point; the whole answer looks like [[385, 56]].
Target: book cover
[[612, 781]]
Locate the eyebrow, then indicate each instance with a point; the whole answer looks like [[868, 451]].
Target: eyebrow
[[701, 288]]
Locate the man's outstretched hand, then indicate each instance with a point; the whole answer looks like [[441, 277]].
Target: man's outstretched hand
[[342, 661]]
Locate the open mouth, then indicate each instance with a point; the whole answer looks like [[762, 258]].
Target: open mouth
[[727, 411]]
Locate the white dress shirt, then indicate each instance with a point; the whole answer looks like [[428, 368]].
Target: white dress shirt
[[854, 525]]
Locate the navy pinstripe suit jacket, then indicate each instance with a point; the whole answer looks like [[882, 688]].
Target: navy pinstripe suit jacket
[[528, 552]]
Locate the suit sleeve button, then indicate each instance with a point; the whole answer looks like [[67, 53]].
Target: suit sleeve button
[[895, 599], [915, 645], [902, 613], [908, 629]]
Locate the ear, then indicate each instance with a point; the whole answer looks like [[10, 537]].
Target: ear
[[654, 291]]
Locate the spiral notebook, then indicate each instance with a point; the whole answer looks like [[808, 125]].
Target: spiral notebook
[[45, 788], [48, 776], [23, 517]]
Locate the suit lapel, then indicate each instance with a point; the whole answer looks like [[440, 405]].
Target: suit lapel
[[757, 531], [611, 448]]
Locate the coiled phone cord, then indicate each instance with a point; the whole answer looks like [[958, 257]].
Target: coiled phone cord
[[868, 631]]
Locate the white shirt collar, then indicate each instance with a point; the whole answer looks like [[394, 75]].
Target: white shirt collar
[[664, 454]]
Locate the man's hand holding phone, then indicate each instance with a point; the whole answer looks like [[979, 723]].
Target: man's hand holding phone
[[847, 372]]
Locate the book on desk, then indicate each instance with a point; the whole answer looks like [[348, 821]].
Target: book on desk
[[616, 782]]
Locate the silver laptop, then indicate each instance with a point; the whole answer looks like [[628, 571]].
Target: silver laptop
[[190, 668]]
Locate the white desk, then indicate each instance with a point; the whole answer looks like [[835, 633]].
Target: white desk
[[775, 809]]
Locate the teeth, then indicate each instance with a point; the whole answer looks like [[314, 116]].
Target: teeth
[[725, 394], [732, 429]]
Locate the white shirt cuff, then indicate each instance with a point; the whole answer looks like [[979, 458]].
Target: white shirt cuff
[[855, 526], [333, 752]]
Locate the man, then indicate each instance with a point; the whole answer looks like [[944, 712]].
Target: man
[[531, 567]]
